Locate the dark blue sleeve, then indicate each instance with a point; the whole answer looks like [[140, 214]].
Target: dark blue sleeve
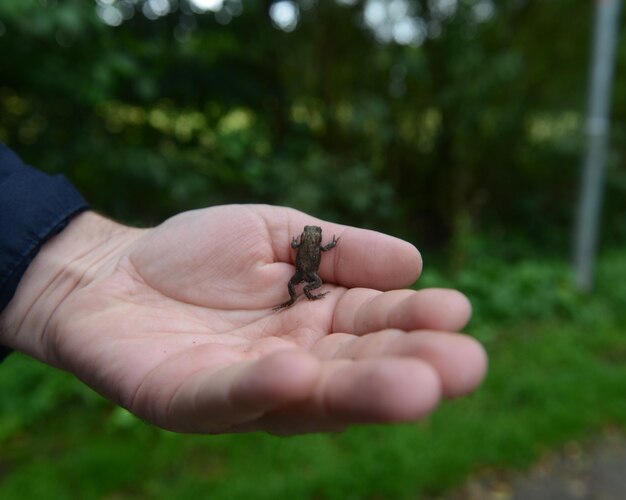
[[33, 207]]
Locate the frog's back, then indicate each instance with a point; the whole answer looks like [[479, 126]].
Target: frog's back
[[309, 253]]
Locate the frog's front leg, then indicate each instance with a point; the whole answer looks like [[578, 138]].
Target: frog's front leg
[[295, 243], [313, 282], [332, 244], [291, 287]]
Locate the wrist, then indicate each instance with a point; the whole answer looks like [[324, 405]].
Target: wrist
[[83, 252]]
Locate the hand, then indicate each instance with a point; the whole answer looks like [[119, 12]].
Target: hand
[[176, 324]]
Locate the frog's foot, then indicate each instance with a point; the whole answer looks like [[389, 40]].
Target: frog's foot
[[284, 304], [310, 296]]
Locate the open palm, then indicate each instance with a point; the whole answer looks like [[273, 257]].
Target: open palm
[[176, 324]]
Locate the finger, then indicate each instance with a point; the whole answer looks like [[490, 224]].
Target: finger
[[460, 361], [211, 402], [362, 258], [380, 390], [361, 311], [370, 259]]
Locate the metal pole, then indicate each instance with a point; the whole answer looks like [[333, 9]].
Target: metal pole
[[597, 134]]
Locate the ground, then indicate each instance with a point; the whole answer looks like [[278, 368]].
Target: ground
[[590, 470]]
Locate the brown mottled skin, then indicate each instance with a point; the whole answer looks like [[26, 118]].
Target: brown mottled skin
[[308, 260]]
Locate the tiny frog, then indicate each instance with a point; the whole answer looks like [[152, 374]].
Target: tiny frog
[[308, 257]]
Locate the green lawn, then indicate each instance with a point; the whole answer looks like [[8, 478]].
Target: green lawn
[[557, 372]]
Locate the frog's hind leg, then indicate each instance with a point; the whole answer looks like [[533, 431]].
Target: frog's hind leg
[[291, 287], [313, 282]]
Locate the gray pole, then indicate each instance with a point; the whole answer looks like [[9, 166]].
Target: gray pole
[[597, 134]]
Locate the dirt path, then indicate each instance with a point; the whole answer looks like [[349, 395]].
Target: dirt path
[[594, 470]]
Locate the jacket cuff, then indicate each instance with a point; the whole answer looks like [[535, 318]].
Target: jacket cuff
[[34, 206]]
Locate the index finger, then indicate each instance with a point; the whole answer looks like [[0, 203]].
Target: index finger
[[361, 258]]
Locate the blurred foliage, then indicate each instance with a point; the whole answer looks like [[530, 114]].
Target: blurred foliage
[[473, 129]]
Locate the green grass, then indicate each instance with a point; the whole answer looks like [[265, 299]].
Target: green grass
[[557, 372]]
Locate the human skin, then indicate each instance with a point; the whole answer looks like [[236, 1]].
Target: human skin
[[175, 323]]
